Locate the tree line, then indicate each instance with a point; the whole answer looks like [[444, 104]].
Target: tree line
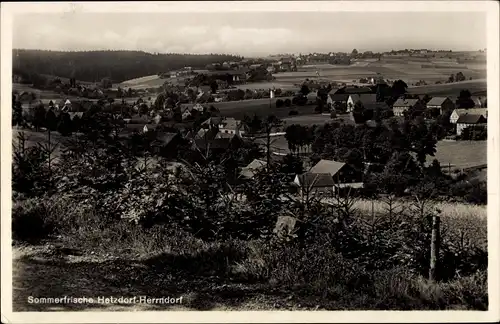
[[119, 66]]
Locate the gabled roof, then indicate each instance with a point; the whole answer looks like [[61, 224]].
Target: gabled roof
[[213, 121], [471, 119], [166, 138], [405, 102], [327, 166], [364, 98], [250, 170], [472, 111], [315, 180], [338, 96], [437, 101]]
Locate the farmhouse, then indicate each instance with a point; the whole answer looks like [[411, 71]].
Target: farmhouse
[[441, 103], [455, 115], [467, 120], [401, 105], [365, 99], [339, 171]]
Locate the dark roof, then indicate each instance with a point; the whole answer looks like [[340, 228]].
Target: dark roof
[[365, 98], [166, 138], [316, 180], [339, 96], [471, 119], [405, 102], [437, 101]]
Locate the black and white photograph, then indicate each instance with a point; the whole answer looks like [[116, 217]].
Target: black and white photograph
[[318, 158]]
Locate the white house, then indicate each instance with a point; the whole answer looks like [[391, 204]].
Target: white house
[[455, 115]]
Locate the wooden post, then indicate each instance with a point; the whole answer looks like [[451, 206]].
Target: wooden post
[[435, 242]]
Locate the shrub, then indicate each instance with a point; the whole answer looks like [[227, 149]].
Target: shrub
[[279, 103]]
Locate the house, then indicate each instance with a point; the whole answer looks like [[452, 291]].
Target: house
[[314, 184], [442, 103], [230, 126], [251, 169], [455, 115], [335, 99], [467, 120], [401, 105], [339, 171], [224, 125], [365, 99]]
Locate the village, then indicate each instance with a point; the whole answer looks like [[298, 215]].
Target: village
[[291, 170]]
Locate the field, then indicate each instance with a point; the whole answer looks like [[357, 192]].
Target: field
[[408, 69], [450, 89], [462, 154]]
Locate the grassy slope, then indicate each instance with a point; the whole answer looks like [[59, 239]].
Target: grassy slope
[[141, 264]]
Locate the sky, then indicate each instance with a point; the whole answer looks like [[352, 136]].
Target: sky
[[251, 33]]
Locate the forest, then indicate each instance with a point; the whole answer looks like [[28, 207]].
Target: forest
[[119, 66]]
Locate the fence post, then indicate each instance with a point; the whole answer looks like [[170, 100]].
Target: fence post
[[435, 242]]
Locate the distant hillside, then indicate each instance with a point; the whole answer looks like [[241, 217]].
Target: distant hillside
[[117, 65]]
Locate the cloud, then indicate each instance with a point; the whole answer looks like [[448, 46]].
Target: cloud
[[193, 30]]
